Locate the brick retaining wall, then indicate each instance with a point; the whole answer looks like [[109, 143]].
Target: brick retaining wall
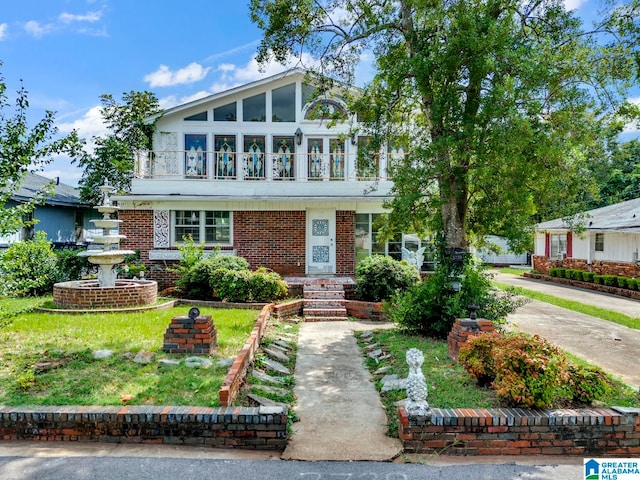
[[599, 267], [255, 428], [512, 431], [621, 292]]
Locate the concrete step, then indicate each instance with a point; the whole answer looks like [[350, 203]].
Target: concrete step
[[324, 303], [325, 319], [323, 286], [319, 294], [325, 312]]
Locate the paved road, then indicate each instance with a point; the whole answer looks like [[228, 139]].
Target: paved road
[[52, 463], [613, 347]]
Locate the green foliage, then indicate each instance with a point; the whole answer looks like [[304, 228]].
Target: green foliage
[[26, 147], [379, 277], [561, 272], [247, 286], [431, 306], [190, 254], [70, 265], [266, 286], [610, 280], [598, 279], [526, 371], [196, 282], [586, 384], [576, 275], [553, 272], [588, 276], [29, 267], [113, 158], [632, 283], [621, 282]]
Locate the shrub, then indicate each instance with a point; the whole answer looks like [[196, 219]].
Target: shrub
[[553, 272], [476, 357], [587, 384], [379, 277], [529, 371], [229, 285], [431, 307], [598, 279], [190, 254], [587, 276], [568, 274], [632, 284], [265, 286], [29, 268], [70, 265], [610, 280], [561, 272], [196, 282], [576, 275], [621, 282]]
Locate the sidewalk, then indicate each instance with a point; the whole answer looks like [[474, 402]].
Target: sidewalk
[[612, 347], [341, 415]]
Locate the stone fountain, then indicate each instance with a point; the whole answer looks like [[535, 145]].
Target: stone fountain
[[109, 254], [107, 291]]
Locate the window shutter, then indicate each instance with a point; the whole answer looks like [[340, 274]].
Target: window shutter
[[547, 245], [569, 245]]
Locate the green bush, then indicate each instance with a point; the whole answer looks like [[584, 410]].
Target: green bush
[[529, 371], [561, 272], [598, 279], [587, 276], [29, 268], [196, 282], [632, 284], [610, 280], [553, 272], [431, 306], [70, 265], [229, 285], [266, 286], [576, 275], [621, 282], [587, 384], [379, 277]]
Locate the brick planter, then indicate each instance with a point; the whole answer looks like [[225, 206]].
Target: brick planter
[[88, 294], [513, 431], [463, 329], [196, 336]]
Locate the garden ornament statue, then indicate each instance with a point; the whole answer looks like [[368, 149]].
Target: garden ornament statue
[[416, 385]]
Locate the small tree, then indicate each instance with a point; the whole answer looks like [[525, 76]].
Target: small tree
[[26, 149]]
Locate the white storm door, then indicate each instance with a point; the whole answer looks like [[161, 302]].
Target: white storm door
[[321, 242]]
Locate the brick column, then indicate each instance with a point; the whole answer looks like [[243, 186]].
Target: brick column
[[463, 329], [187, 335]]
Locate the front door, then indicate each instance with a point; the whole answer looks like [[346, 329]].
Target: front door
[[321, 242]]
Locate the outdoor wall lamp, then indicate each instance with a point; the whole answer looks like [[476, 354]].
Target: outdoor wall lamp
[[298, 136], [354, 138]]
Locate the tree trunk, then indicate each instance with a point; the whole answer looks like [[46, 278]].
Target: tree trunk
[[454, 213]]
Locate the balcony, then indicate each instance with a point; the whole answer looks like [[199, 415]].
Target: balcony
[[237, 174]]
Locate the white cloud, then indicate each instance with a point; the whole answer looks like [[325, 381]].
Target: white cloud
[[573, 4], [164, 77], [87, 17], [88, 126], [34, 28], [3, 31]]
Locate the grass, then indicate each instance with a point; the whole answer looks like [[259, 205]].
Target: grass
[[47, 359], [598, 312], [449, 385], [513, 271]]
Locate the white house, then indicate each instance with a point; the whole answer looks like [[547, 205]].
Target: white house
[[609, 243], [266, 171]]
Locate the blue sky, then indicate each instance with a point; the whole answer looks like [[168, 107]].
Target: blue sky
[[69, 52]]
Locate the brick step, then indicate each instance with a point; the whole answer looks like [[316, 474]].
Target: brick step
[[323, 287], [325, 319], [325, 312], [324, 303], [323, 294]]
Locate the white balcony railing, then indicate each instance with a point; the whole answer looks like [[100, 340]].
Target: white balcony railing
[[209, 165]]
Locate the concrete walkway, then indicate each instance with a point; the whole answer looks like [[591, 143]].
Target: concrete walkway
[[613, 347], [341, 415]]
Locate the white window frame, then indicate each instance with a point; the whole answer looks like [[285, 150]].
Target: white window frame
[[202, 214], [598, 241], [556, 243]]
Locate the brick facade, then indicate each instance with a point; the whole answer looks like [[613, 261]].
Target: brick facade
[[623, 269], [273, 239]]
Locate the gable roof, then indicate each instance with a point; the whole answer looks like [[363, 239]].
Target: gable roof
[[63, 195], [619, 216], [294, 73]]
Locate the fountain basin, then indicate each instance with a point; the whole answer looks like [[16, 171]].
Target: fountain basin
[[87, 294]]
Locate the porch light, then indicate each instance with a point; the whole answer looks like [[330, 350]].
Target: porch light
[[354, 138], [298, 135]]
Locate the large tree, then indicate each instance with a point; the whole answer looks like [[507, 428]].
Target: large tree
[[26, 148], [499, 101], [112, 160]]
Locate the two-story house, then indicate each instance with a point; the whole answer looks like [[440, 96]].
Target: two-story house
[[263, 171]]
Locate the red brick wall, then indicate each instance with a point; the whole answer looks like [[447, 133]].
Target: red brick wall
[[273, 239], [623, 269], [137, 226], [345, 243]]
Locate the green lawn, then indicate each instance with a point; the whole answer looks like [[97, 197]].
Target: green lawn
[[30, 340]]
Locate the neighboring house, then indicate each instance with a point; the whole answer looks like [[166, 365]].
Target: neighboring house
[[504, 255], [608, 245], [63, 216], [258, 172]]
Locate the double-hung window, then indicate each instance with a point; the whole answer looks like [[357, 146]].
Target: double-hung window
[[599, 242], [210, 227], [558, 244]]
